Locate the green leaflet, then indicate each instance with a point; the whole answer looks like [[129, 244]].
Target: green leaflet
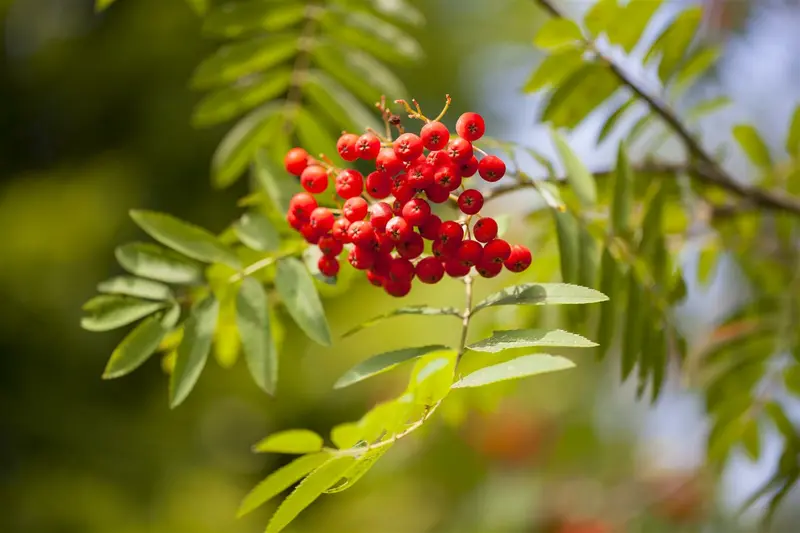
[[255, 231], [381, 422], [140, 344], [234, 19], [589, 253], [701, 60], [630, 23], [356, 471], [110, 311], [674, 41], [793, 136], [528, 338], [791, 379], [554, 69], [332, 99], [198, 6], [527, 365], [150, 260], [578, 176], [382, 39], [567, 231], [278, 186], [359, 72], [622, 204], [706, 107], [557, 33], [614, 118], [610, 284], [381, 363], [255, 331], [753, 145], [193, 350], [600, 16], [707, 262], [432, 377], [542, 294], [290, 441], [632, 339], [312, 133], [410, 310], [136, 287], [298, 293], [579, 95]]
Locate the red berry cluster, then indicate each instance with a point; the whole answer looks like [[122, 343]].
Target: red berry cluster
[[387, 238]]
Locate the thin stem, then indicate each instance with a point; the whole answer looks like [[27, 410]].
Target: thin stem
[[260, 265], [447, 102], [465, 318]]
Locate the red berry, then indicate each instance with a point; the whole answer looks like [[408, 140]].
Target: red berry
[[492, 168], [443, 250], [485, 229], [469, 168], [430, 228], [420, 175], [388, 162], [361, 234], [361, 258], [397, 289], [321, 220], [439, 158], [397, 207], [496, 250], [434, 135], [460, 150], [382, 244], [346, 146], [488, 269], [329, 245], [301, 205], [355, 209], [368, 146], [379, 185], [447, 177], [379, 215], [398, 229], [469, 252], [437, 194], [455, 268], [407, 147], [470, 126], [401, 188], [339, 230], [451, 232], [375, 278], [416, 211], [412, 247], [295, 161], [293, 221], [429, 270], [328, 266], [401, 270], [349, 183], [470, 201], [519, 260], [382, 264], [310, 233], [314, 179]]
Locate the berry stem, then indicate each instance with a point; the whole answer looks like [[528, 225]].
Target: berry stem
[[411, 113], [385, 114], [261, 264], [447, 103], [483, 153], [465, 318]]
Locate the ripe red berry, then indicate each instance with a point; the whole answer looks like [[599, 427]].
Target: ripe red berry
[[293, 221], [469, 252], [429, 270], [416, 211], [361, 258], [437, 194], [329, 245], [430, 228], [397, 207], [361, 233], [314, 179], [455, 268], [295, 161], [301, 205], [310, 233], [488, 269], [368, 146], [382, 244], [447, 177], [470, 126], [328, 266], [412, 247], [321, 220], [379, 185], [519, 260], [420, 175], [439, 158], [434, 135], [382, 264], [346, 146], [401, 270], [496, 250], [469, 168], [379, 215], [349, 183], [355, 209], [460, 150], [398, 229], [407, 147], [388, 162], [375, 278], [492, 168], [451, 232], [398, 289], [443, 250], [485, 229], [470, 201], [401, 188], [339, 230]]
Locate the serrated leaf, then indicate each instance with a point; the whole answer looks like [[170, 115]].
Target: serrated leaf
[[234, 19], [140, 344], [230, 102], [334, 100], [354, 473], [111, 311], [528, 338], [381, 363], [193, 350], [281, 480], [382, 39], [673, 42], [557, 33], [600, 16], [255, 231], [362, 74], [298, 293], [706, 107], [753, 145], [542, 294], [630, 23], [579, 95], [633, 332], [793, 136], [276, 183], [609, 283], [701, 60], [188, 239], [567, 231], [578, 176], [311, 257], [312, 134], [136, 287], [151, 261], [290, 441], [410, 310], [253, 323], [521, 367], [622, 204], [554, 69], [432, 377], [614, 118], [309, 490]]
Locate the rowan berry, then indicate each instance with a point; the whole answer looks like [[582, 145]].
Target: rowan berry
[[301, 205], [314, 179], [368, 146], [470, 126], [451, 232], [293, 221], [401, 188], [469, 252], [398, 229], [460, 150], [361, 258], [330, 245], [469, 168], [437, 194], [388, 162], [379, 215], [339, 230], [296, 161], [429, 270], [407, 147], [397, 207], [355, 209], [397, 289], [416, 211], [379, 185], [430, 228], [519, 260], [361, 233], [328, 265], [382, 244], [401, 270], [309, 233], [346, 146], [485, 229], [420, 175], [434, 135], [496, 250], [470, 201], [382, 264], [375, 278], [442, 250], [412, 247], [349, 183], [439, 158], [491, 168], [455, 268], [447, 177], [321, 220], [488, 269]]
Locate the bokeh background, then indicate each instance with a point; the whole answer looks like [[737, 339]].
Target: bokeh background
[[95, 121]]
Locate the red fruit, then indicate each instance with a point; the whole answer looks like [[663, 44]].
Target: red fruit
[[407, 147], [361, 234], [398, 229], [401, 188], [470, 201], [492, 168], [328, 266], [429, 270], [379, 215], [451, 232], [488, 269], [382, 244], [321, 220], [434, 135], [439, 158], [375, 278], [469, 168], [470, 126], [349, 183], [444, 251], [346, 146], [420, 175], [355, 209], [361, 258], [301, 205], [382, 264], [293, 221], [314, 179], [368, 146], [397, 289], [339, 230], [412, 247], [447, 177], [401, 270], [296, 161], [310, 233], [329, 245], [430, 228], [519, 260], [455, 268], [388, 162], [437, 194], [460, 150], [416, 211], [470, 252], [496, 251], [485, 229], [397, 207], [379, 185]]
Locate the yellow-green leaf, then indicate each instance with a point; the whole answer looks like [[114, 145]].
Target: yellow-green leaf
[[193, 350], [381, 363], [151, 261], [110, 311], [432, 377], [423, 310], [290, 441], [631, 22], [140, 344], [579, 95], [298, 293], [255, 330], [622, 204], [102, 5], [601, 15], [578, 175], [255, 231], [753, 145], [527, 365], [793, 137], [234, 19], [556, 33], [542, 294], [673, 42], [567, 231], [554, 69], [136, 287], [529, 338]]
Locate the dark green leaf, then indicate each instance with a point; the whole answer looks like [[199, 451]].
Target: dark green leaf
[[313, 136], [255, 231], [276, 183], [193, 350], [311, 257], [554, 69], [578, 175], [381, 363], [542, 294], [567, 231], [234, 19], [140, 344], [136, 287], [334, 100], [255, 330], [527, 365], [411, 310], [609, 284], [361, 73], [751, 439], [634, 323], [614, 119], [357, 471], [298, 293], [528, 338], [557, 33], [781, 421], [657, 354], [368, 32], [600, 16], [753, 145], [290, 441], [588, 259], [673, 42], [110, 311], [793, 137], [579, 95], [631, 22], [154, 262], [622, 204]]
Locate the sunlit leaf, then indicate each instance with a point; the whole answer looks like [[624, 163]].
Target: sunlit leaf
[[290, 441], [706, 107], [101, 5], [793, 137], [253, 323], [751, 439], [298, 293], [381, 363], [362, 465], [554, 69], [151, 261], [634, 323], [578, 175], [551, 195], [600, 16], [528, 338], [527, 365], [234, 19], [255, 231], [753, 145], [622, 204], [588, 258], [701, 60], [630, 22], [556, 33], [230, 102], [609, 284], [542, 294], [614, 118], [639, 127], [791, 379], [674, 41], [368, 32], [111, 311], [432, 377], [346, 435], [567, 231], [193, 350], [136, 287], [707, 262], [140, 344], [410, 310], [579, 95]]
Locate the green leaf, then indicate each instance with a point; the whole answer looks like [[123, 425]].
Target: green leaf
[[579, 178], [557, 33], [609, 282], [234, 19], [188, 239], [579, 95], [198, 6], [554, 69], [290, 441], [252, 321], [751, 439], [707, 262], [298, 293], [637, 131], [753, 145], [357, 471], [588, 259], [362, 74], [568, 246], [550, 195], [136, 287], [631, 22], [622, 204], [381, 363], [140, 344], [410, 310], [368, 32], [600, 16], [793, 137], [311, 257], [107, 311], [432, 377], [281, 480], [542, 294], [791, 379], [255, 231], [334, 100], [527, 365], [702, 59], [674, 41], [193, 350], [614, 119], [706, 107], [528, 338], [277, 184], [309, 490], [312, 134], [151, 261], [781, 421], [102, 5], [346, 435], [634, 323]]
